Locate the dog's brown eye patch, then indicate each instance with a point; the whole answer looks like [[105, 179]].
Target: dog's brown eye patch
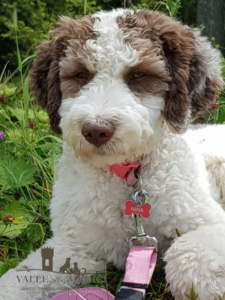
[[137, 74], [148, 84], [78, 73], [146, 79], [82, 75], [73, 76]]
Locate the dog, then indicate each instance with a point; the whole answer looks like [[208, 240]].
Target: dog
[[123, 86], [65, 266]]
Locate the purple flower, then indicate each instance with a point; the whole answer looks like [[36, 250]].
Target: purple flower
[[2, 135], [17, 196], [214, 104]]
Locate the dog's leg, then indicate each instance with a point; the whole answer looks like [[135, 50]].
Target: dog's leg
[[216, 169], [197, 258], [37, 284]]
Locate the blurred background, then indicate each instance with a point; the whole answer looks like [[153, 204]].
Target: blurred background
[[37, 17], [29, 150]]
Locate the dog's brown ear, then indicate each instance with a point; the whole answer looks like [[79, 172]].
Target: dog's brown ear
[[178, 48], [193, 64], [194, 67], [44, 80], [45, 84], [205, 79]]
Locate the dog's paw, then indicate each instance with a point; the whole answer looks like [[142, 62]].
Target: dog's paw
[[196, 263]]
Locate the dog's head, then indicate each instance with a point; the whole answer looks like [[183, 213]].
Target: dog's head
[[110, 80]]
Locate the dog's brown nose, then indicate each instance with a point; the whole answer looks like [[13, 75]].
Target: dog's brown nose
[[97, 135]]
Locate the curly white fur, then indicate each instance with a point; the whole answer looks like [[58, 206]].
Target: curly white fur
[[88, 200]]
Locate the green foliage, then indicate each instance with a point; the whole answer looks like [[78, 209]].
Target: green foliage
[[172, 7], [169, 7], [15, 173], [8, 264], [35, 19], [29, 152], [188, 12], [192, 295], [216, 115], [28, 157], [33, 26], [14, 219]]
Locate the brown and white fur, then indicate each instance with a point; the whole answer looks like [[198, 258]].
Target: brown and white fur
[[146, 76]]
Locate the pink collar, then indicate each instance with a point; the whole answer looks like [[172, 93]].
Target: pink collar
[[126, 171]]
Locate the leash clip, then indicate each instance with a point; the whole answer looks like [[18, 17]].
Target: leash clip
[[144, 238], [144, 198]]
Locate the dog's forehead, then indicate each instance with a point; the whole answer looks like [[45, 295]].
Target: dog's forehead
[[109, 49]]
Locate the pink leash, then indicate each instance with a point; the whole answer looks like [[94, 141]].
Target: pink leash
[[140, 263], [141, 260], [140, 266]]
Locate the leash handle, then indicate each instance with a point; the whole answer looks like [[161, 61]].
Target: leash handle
[[140, 265]]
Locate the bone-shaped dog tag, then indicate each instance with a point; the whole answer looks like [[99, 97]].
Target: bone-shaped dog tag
[[132, 208]]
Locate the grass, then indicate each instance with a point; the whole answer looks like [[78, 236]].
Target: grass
[[29, 154]]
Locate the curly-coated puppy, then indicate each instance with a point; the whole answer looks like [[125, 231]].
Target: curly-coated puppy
[[120, 86]]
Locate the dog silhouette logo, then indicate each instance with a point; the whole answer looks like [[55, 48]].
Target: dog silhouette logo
[[66, 266], [47, 254], [75, 269]]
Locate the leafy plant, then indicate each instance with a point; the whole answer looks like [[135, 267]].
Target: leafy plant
[[29, 152], [14, 219], [216, 111], [15, 173], [192, 295], [172, 6]]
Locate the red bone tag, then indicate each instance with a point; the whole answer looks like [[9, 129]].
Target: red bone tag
[[132, 208]]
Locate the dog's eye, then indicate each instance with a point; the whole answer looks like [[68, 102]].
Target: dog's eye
[[137, 75], [82, 75]]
